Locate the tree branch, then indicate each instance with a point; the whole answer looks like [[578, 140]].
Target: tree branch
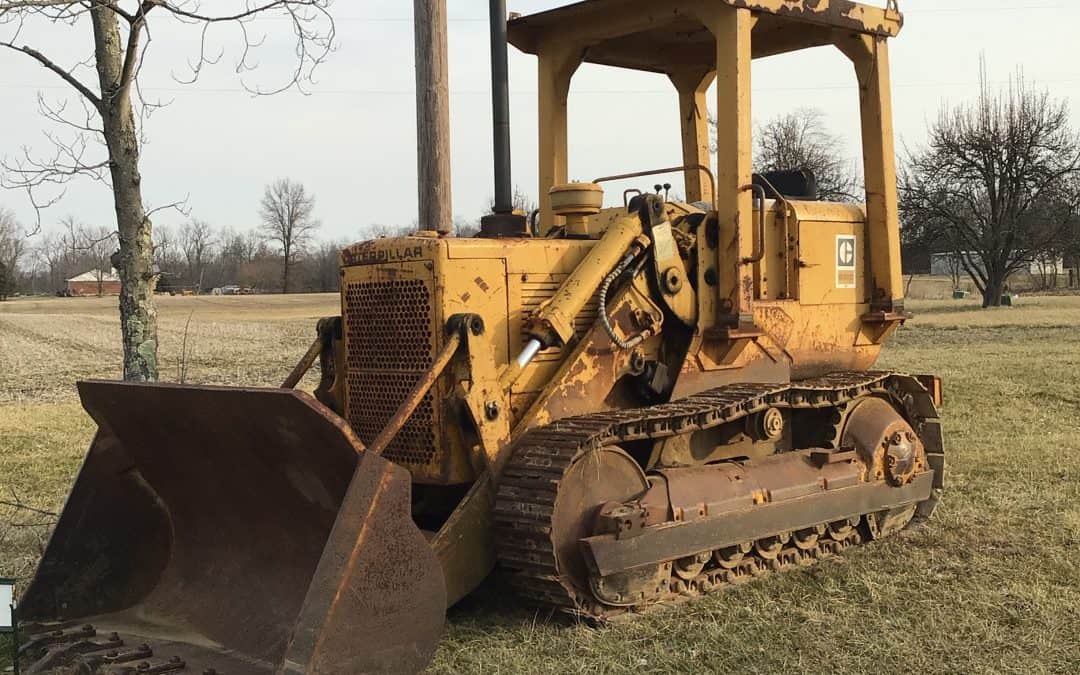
[[51, 65]]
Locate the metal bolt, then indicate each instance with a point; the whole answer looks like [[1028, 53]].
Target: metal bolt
[[491, 410], [672, 280], [772, 424]]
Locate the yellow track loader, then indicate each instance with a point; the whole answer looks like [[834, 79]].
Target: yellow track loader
[[621, 400]]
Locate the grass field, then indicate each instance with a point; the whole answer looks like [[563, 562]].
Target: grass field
[[991, 585]]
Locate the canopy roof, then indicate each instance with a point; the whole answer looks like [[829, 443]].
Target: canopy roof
[[659, 36]]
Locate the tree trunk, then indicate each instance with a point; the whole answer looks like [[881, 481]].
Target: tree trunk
[[433, 116], [135, 260], [285, 276], [995, 288]]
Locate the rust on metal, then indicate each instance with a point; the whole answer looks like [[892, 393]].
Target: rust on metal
[[607, 555], [754, 516], [416, 395], [305, 364], [202, 524], [245, 531], [759, 240]]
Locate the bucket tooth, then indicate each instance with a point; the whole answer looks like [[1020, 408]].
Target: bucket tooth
[[140, 653]]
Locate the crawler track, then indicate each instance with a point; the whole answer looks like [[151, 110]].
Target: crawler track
[[525, 501]]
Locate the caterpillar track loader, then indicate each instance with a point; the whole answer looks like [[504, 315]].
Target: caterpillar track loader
[[622, 401]]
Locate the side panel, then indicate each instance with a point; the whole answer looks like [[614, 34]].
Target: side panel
[[469, 286], [818, 339], [535, 269], [397, 296], [392, 326], [832, 263], [811, 292]]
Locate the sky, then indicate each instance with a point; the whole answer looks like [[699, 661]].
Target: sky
[[352, 139]]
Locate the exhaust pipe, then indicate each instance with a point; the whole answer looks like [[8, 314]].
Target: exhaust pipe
[[503, 222], [500, 107]]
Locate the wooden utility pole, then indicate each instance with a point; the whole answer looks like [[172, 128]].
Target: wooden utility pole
[[433, 116]]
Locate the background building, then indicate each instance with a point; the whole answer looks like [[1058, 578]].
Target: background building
[[94, 282]]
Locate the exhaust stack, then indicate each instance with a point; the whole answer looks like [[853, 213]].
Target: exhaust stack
[[503, 222], [500, 108]]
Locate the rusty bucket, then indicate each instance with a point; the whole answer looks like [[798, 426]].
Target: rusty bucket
[[232, 531]]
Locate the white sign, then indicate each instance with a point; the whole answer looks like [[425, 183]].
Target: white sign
[[846, 260], [7, 599]]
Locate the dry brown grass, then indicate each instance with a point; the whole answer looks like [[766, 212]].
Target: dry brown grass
[[45, 345], [990, 586]]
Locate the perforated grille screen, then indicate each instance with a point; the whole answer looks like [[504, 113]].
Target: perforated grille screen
[[389, 349]]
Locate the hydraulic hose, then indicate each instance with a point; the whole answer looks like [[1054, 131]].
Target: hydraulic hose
[[604, 320]]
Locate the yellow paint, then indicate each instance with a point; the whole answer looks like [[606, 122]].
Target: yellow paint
[[796, 312]]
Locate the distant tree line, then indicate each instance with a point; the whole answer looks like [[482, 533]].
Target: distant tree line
[[278, 254], [12, 247], [995, 188], [281, 253]]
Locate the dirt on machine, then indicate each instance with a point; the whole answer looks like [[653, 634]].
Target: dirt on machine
[[622, 401]]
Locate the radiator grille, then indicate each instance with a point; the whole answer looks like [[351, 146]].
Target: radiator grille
[[388, 326]]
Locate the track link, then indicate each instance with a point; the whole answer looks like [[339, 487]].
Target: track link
[[525, 500]]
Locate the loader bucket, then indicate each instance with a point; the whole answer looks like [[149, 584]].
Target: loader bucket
[[231, 531]]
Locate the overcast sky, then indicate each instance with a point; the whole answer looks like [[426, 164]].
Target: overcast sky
[[352, 141]]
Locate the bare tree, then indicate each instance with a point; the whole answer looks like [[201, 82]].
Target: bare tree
[[466, 227], [74, 248], [166, 247], [197, 243], [1071, 249], [521, 201], [288, 220], [168, 257], [51, 251], [801, 140], [379, 231], [103, 140], [236, 250], [12, 247], [996, 184], [325, 267], [58, 250], [99, 247]]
